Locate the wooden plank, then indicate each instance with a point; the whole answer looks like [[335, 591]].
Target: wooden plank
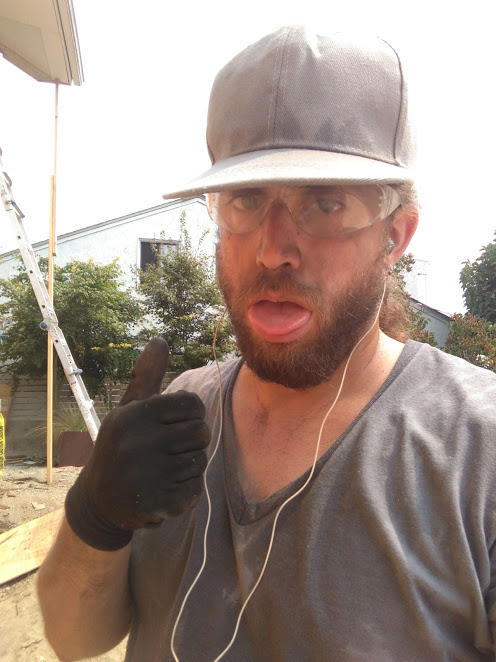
[[20, 407], [24, 394], [30, 405], [31, 387], [23, 549], [28, 409], [27, 403]]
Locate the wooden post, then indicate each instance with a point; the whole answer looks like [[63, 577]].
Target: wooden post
[[52, 251]]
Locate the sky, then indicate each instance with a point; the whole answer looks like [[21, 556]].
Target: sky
[[137, 124]]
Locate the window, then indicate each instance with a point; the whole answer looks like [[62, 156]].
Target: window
[[151, 249]]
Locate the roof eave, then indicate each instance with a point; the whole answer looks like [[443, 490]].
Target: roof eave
[[40, 38]]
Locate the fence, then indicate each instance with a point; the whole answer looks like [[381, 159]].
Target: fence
[[27, 410]]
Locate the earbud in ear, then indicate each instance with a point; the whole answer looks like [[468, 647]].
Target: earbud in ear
[[390, 246]]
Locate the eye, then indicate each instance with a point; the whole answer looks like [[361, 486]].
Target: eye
[[246, 202], [328, 204]]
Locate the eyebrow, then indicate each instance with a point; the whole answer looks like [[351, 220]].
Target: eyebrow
[[242, 191], [315, 188]]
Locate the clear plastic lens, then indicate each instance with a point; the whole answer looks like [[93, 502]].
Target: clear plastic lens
[[323, 211]]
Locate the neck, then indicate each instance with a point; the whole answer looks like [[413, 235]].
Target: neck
[[371, 361], [277, 428]]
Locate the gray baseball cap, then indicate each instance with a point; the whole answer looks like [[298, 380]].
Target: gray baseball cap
[[297, 108]]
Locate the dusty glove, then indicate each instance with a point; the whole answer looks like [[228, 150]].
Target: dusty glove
[[148, 459]]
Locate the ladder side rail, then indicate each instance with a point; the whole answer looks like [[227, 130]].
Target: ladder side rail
[[32, 268], [73, 375], [50, 322]]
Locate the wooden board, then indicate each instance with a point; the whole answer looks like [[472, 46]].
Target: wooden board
[[23, 549]]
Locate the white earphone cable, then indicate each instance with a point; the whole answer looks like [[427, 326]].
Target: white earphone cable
[[281, 507], [207, 493]]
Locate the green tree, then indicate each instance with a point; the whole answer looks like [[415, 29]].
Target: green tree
[[478, 280], [181, 295], [416, 322], [96, 314], [473, 339], [473, 336]]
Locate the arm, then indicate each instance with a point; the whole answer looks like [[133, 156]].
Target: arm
[[146, 466], [84, 597]]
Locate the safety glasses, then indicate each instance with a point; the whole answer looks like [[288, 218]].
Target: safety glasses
[[322, 211]]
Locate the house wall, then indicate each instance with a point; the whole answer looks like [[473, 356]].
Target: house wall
[[437, 322], [120, 237], [439, 328]]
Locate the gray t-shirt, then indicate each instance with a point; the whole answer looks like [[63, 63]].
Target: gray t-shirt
[[387, 556]]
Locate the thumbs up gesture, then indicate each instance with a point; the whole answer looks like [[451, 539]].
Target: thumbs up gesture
[[148, 459]]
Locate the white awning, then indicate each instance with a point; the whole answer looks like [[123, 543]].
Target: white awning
[[40, 37]]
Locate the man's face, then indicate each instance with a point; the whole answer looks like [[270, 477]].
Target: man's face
[[300, 303]]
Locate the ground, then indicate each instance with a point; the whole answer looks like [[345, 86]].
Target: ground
[[25, 495]]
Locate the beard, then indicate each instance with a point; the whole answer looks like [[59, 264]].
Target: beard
[[340, 324]]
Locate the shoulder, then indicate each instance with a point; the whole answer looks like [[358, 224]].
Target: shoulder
[[449, 373], [447, 400]]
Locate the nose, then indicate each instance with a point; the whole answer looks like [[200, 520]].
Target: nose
[[279, 239]]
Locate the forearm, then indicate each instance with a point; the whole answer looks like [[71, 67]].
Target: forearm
[[84, 597], [146, 466]]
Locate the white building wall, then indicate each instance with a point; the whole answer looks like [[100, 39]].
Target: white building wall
[[121, 237], [437, 322]]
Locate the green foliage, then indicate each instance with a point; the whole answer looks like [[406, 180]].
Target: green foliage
[[94, 312], [478, 280], [473, 339], [417, 328], [473, 336], [416, 322], [183, 300], [118, 360], [24, 345], [67, 417], [401, 267]]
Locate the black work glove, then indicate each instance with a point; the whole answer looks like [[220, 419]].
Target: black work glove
[[148, 459]]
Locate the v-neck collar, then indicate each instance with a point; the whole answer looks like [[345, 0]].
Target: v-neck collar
[[246, 512]]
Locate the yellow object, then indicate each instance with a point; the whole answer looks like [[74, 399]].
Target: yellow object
[[2, 443]]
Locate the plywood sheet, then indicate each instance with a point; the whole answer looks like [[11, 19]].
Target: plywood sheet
[[23, 549]]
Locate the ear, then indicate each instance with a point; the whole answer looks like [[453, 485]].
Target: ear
[[403, 228]]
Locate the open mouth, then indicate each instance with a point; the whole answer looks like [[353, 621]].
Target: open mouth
[[278, 321]]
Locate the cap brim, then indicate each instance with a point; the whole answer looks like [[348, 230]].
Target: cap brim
[[291, 167]]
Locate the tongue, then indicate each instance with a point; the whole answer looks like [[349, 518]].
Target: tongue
[[278, 318]]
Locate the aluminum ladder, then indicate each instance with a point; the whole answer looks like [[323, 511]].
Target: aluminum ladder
[[50, 322]]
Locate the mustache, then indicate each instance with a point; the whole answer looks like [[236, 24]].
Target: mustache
[[284, 283]]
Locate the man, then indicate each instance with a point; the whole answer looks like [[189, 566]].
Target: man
[[351, 477]]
